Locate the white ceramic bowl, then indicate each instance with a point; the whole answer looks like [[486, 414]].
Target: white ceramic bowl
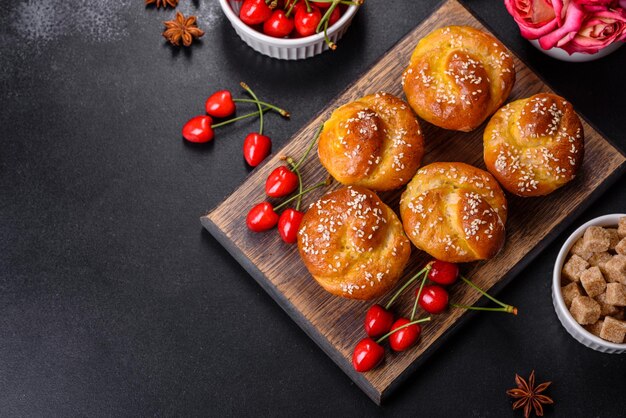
[[574, 328], [562, 55], [285, 49]]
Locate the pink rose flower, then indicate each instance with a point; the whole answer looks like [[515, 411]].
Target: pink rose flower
[[570, 24], [598, 30], [536, 18]]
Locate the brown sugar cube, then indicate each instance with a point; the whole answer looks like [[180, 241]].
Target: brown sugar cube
[[593, 282], [595, 328], [621, 227], [606, 309], [598, 259], [620, 248], [615, 294], [569, 292], [574, 267], [615, 269], [613, 330], [580, 250], [585, 310], [596, 239], [613, 237]]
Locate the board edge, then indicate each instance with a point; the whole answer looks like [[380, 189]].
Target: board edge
[[370, 390]]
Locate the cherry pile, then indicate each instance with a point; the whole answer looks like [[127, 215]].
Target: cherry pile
[[221, 104], [403, 332], [294, 18], [283, 181]]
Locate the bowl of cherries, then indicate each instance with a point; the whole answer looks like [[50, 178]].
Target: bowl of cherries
[[290, 29]]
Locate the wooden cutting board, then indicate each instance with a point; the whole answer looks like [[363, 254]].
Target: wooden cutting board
[[336, 324]]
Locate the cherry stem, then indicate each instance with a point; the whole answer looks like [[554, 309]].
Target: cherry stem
[[419, 321], [346, 2], [324, 20], [405, 285], [256, 99], [504, 305], [293, 4], [419, 293], [308, 6], [226, 122], [308, 150], [299, 202], [282, 112], [507, 309], [305, 191]]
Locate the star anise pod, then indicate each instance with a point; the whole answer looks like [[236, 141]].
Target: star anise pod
[[528, 396], [163, 3], [183, 29]]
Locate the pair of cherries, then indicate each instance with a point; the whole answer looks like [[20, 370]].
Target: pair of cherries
[[281, 182], [404, 333], [256, 146], [293, 18]]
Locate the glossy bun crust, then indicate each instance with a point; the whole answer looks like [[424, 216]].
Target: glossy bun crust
[[375, 142], [455, 212], [353, 244], [534, 146], [457, 77]]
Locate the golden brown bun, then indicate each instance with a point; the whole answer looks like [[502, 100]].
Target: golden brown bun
[[353, 244], [455, 212], [375, 142], [534, 146], [457, 77]]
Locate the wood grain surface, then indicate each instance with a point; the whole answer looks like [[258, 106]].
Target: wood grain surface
[[336, 324]]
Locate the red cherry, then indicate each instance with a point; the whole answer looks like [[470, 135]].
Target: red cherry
[[434, 299], [378, 321], [198, 129], [261, 217], [220, 104], [289, 224], [405, 337], [334, 16], [321, 4], [256, 147], [254, 12], [367, 355], [443, 273], [281, 182], [306, 22], [278, 25]]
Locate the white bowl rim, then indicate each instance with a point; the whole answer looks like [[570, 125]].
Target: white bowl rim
[[234, 19], [605, 220]]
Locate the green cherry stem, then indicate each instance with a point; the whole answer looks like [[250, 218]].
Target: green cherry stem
[[419, 293], [256, 99], [507, 309], [226, 122], [305, 191], [282, 112], [405, 285], [299, 202], [308, 150], [419, 321], [487, 295], [308, 6]]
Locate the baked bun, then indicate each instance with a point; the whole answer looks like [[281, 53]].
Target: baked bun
[[534, 146], [455, 212], [353, 244], [457, 77], [375, 142]]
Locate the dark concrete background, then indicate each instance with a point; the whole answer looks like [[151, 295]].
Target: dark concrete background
[[115, 302]]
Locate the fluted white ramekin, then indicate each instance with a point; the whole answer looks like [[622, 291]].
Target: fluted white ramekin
[[287, 48], [567, 320]]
